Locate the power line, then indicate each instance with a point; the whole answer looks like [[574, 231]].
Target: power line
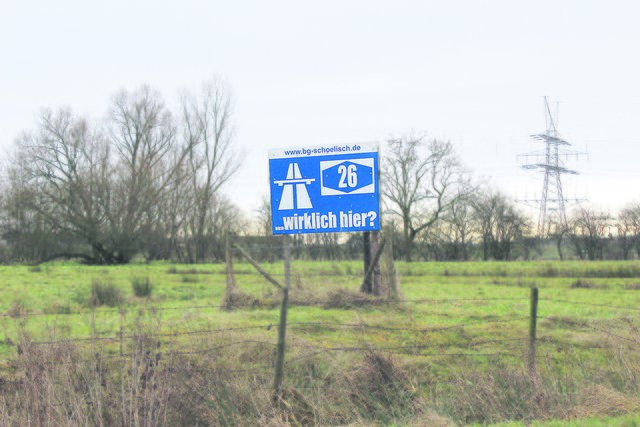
[[552, 202]]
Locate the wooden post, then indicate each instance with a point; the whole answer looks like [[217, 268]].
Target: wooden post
[[393, 293], [532, 330], [375, 241], [367, 286], [121, 333], [376, 258], [93, 328], [230, 276], [255, 265], [282, 327]]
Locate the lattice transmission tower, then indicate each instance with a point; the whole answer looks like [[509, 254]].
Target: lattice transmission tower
[[552, 203]]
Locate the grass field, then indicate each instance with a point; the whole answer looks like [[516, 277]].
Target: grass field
[[451, 350]]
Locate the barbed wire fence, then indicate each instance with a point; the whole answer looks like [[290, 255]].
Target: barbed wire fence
[[120, 338]]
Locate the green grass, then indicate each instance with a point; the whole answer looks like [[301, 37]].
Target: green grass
[[455, 323], [632, 420]]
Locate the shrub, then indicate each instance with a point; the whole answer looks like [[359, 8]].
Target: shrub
[[550, 271], [582, 284], [190, 279], [104, 293], [142, 287]]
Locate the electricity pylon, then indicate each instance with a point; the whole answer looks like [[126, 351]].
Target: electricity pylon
[[552, 203]]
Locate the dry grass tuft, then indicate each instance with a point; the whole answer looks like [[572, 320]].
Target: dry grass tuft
[[236, 298], [104, 292], [17, 309], [346, 299], [583, 284], [303, 296], [296, 409], [499, 395], [599, 400], [380, 389]]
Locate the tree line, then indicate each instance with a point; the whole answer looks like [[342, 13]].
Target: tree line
[[438, 213], [143, 181], [149, 181]]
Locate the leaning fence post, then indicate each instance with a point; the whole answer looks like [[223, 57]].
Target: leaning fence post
[[121, 332], [230, 275], [375, 244], [367, 284], [282, 327], [532, 330]]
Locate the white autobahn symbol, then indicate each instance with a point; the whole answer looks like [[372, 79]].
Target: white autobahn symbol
[[294, 179]]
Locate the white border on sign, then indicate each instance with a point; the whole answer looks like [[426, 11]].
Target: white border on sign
[[326, 191], [324, 150]]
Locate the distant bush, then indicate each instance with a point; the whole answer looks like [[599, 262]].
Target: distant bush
[[585, 284], [190, 279], [174, 270], [550, 271], [581, 284], [142, 287], [104, 292]]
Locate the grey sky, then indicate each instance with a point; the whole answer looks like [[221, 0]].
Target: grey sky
[[304, 74]]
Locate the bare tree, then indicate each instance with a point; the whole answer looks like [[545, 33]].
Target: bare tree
[[148, 159], [24, 230], [499, 223], [589, 228], [164, 237], [628, 225], [129, 186], [450, 239], [421, 180], [60, 174], [263, 216], [459, 218], [212, 160]]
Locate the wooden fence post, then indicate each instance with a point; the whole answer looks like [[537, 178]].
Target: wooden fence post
[[282, 327], [367, 285], [372, 266], [375, 243], [533, 318], [121, 332], [255, 265], [230, 275], [393, 292]]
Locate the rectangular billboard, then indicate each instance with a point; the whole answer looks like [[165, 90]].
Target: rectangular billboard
[[324, 189]]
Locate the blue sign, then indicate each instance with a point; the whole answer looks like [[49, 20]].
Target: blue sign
[[324, 189]]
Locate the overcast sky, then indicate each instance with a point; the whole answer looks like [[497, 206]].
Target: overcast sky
[[311, 73]]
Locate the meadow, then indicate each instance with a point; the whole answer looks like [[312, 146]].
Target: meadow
[[161, 344]]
